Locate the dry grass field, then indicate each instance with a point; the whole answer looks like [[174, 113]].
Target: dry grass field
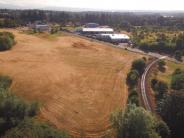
[[78, 82]]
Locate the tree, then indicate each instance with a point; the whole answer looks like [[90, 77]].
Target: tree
[[135, 122], [178, 55], [180, 42], [32, 129], [13, 110], [177, 81], [160, 88], [16, 117], [171, 110], [5, 82], [6, 41], [161, 64], [132, 77], [139, 65], [162, 129], [133, 97]]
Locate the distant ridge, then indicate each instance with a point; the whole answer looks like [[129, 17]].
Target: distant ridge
[[72, 9]]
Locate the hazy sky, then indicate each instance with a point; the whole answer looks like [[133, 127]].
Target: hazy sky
[[102, 4]]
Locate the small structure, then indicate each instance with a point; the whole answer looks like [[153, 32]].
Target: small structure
[[42, 27], [114, 38], [92, 25]]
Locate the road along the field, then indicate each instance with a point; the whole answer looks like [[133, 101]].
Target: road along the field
[[78, 82]]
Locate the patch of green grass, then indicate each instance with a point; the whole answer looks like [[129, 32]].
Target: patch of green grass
[[170, 68]]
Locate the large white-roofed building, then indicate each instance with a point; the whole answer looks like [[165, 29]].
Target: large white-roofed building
[[114, 38], [97, 30]]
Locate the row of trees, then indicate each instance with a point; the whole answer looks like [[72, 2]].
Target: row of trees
[[116, 19], [170, 102], [8, 23], [132, 79], [17, 117], [160, 42], [135, 121]]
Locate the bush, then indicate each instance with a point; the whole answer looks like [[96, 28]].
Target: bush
[[135, 122], [160, 88], [171, 110], [133, 97], [177, 81], [5, 82], [16, 117], [132, 77], [139, 65], [178, 55], [32, 129], [162, 129], [161, 64], [6, 41], [13, 110]]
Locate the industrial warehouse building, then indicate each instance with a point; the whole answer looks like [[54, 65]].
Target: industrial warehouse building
[[98, 30], [103, 33], [114, 38]]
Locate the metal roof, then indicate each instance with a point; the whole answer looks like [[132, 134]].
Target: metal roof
[[97, 29], [117, 36], [42, 25]]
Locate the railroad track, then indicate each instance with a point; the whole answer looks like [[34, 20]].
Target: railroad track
[[143, 84]]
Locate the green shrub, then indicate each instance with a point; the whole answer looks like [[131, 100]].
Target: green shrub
[[161, 64], [133, 97], [13, 110], [171, 109], [160, 88], [32, 129], [132, 77], [5, 82], [139, 65], [177, 81], [16, 117], [134, 122], [162, 129], [6, 41]]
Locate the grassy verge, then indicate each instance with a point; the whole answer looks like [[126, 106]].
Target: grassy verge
[[167, 74]]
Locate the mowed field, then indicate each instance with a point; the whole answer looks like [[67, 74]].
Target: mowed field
[[79, 83]]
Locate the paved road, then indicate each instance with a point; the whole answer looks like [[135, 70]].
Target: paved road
[[156, 55], [123, 46], [143, 84]]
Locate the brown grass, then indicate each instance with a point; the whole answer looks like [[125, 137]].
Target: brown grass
[[78, 82]]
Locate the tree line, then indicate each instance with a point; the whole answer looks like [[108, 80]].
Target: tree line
[[126, 20]]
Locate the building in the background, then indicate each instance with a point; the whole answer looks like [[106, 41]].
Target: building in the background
[[114, 38], [92, 25], [103, 33], [98, 30], [42, 28]]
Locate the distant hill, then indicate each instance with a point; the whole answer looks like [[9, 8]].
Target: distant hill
[[9, 6]]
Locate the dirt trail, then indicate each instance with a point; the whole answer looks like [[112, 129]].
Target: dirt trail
[[78, 82]]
